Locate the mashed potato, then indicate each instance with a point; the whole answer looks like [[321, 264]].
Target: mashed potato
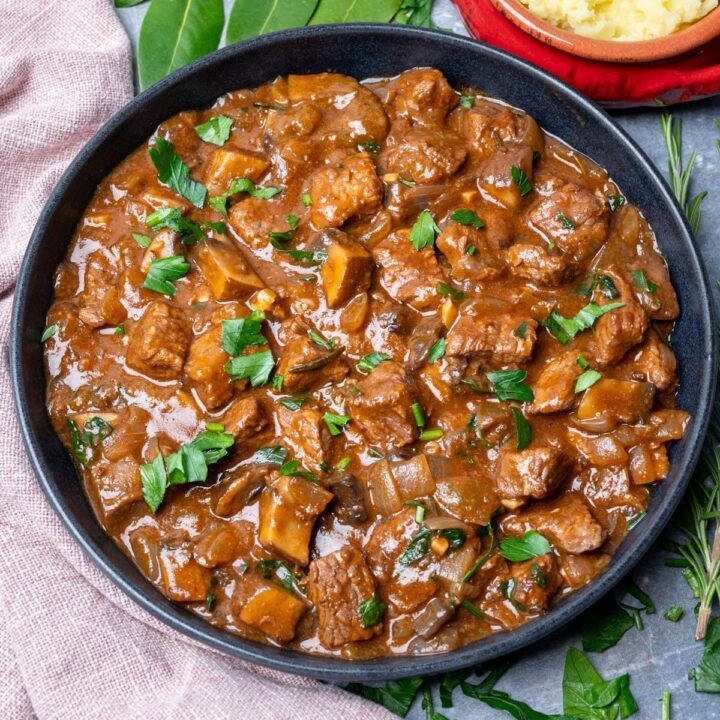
[[621, 19]]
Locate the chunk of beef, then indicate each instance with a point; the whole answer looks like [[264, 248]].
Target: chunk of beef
[[422, 96], [296, 122], [99, 303], [337, 585], [423, 155], [495, 172], [494, 340], [183, 578], [408, 275], [253, 218], [205, 366], [267, 607], [539, 264], [343, 190], [555, 387], [382, 410], [618, 330], [117, 485], [567, 521], [226, 270], [289, 507], [306, 433], [159, 341], [488, 125], [244, 418], [304, 363], [653, 362], [535, 473], [483, 263], [609, 403], [573, 219], [525, 588], [404, 587], [226, 164], [346, 272]]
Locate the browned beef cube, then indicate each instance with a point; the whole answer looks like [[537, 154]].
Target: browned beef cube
[[483, 264], [572, 218], [492, 339], [653, 362], [99, 301], [489, 124], [422, 96], [244, 418], [117, 484], [496, 171], [555, 387], [343, 190], [159, 341], [568, 522], [539, 264], [382, 410], [408, 275], [183, 578], [532, 473], [619, 330], [253, 218], [423, 155], [205, 365], [337, 585], [306, 433]]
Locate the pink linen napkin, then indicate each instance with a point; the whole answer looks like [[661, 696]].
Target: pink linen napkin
[[72, 646]]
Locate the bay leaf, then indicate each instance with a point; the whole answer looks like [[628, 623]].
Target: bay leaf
[[249, 18], [340, 11]]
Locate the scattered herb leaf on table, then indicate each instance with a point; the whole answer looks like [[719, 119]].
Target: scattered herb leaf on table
[[249, 18]]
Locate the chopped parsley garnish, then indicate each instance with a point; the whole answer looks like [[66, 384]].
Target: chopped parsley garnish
[[239, 333], [142, 240], [174, 173], [467, 217], [508, 385], [565, 222], [472, 609], [424, 231], [318, 339], [306, 200], [437, 351], [335, 423], [586, 380], [523, 431], [190, 232], [239, 185], [275, 454], [466, 101], [49, 332], [371, 611], [642, 283], [369, 146], [85, 440], [531, 545], [521, 331], [443, 288], [566, 328], [288, 578], [418, 547], [371, 361], [216, 130], [256, 367], [119, 329], [604, 283], [278, 381], [418, 414], [293, 403], [615, 202], [294, 469], [342, 464], [163, 272], [314, 257], [521, 180]]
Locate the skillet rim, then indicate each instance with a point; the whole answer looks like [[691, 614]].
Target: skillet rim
[[292, 661]]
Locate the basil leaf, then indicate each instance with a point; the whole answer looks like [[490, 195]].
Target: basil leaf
[[467, 217], [586, 380], [250, 18], [190, 232], [523, 431], [437, 351], [275, 454], [216, 130], [371, 611], [239, 333], [154, 482], [603, 626], [396, 695], [566, 328], [344, 11], [531, 545], [371, 361], [238, 185], [174, 173], [508, 385], [174, 33], [521, 331], [163, 272], [521, 180], [500, 700], [256, 367], [335, 423], [443, 288], [424, 230], [607, 286]]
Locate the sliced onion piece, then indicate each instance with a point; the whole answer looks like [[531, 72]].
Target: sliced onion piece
[[444, 522]]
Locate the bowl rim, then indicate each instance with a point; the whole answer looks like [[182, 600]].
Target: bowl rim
[[677, 43], [332, 668]]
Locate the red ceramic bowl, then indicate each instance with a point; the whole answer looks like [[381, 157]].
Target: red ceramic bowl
[[678, 43]]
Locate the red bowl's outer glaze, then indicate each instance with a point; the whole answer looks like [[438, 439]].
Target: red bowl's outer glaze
[[614, 84]]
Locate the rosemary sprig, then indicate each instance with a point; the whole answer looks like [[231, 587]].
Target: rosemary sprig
[[679, 176]]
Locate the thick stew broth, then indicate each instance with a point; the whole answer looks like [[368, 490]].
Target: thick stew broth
[[363, 368]]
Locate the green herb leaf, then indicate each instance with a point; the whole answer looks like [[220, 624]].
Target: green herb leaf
[[424, 230], [642, 283], [344, 11], [163, 272], [318, 339], [275, 454], [521, 180], [127, 3], [586, 380], [521, 331], [239, 185], [371, 361], [256, 367], [674, 613], [397, 695], [216, 130], [239, 333], [289, 579], [707, 674], [437, 351], [472, 609], [369, 146], [508, 385], [531, 545], [455, 536], [466, 101], [566, 328], [174, 33], [306, 199], [417, 547], [142, 240], [565, 222], [173, 172], [371, 611], [278, 381], [154, 482], [443, 288], [523, 431], [467, 217], [190, 232], [49, 332], [416, 12], [603, 626], [615, 202], [250, 18], [335, 423], [293, 403], [314, 257]]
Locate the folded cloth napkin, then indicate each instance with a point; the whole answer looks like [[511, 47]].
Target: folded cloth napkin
[[72, 646]]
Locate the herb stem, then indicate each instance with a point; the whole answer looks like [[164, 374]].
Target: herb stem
[[665, 706]]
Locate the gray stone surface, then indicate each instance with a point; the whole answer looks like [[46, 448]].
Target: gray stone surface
[[659, 657]]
